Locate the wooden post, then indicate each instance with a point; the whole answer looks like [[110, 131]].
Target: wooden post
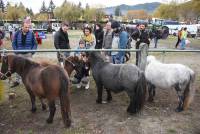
[[142, 61]]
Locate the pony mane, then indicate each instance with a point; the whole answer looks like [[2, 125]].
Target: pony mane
[[26, 62], [97, 56], [45, 63], [150, 58]]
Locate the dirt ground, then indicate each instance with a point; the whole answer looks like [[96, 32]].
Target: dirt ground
[[158, 117]]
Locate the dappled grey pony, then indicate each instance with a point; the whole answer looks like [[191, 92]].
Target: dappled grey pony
[[118, 78], [170, 76]]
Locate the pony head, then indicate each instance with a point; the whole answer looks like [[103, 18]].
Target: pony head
[[150, 58]]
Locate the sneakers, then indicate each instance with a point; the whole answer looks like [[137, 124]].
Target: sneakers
[[78, 85], [86, 82], [87, 85], [75, 81], [14, 84]]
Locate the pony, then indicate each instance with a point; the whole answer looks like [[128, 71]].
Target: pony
[[71, 63], [118, 78], [170, 76], [44, 81]]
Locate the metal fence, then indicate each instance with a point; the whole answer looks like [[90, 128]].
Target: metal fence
[[96, 50]]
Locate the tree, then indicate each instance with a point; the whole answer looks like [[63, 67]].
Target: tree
[[117, 11], [79, 4], [87, 6], [167, 11], [29, 11], [43, 9], [2, 6], [196, 5], [68, 11], [16, 12]]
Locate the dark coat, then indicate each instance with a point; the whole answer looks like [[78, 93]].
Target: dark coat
[[99, 38], [142, 36], [61, 40]]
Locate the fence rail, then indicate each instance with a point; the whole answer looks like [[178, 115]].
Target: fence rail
[[96, 50]]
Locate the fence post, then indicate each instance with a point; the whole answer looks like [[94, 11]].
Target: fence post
[[142, 61]]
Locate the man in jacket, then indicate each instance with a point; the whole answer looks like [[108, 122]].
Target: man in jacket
[[61, 41], [119, 41], [107, 40], [24, 39], [141, 35]]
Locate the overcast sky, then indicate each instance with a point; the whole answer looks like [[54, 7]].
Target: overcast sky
[[36, 4]]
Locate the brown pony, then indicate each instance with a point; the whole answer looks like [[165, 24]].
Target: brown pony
[[50, 82], [71, 63]]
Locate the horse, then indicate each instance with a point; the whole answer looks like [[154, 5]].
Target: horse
[[50, 82], [118, 78], [170, 76], [71, 63]]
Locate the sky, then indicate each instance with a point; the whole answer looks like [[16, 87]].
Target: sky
[[36, 4]]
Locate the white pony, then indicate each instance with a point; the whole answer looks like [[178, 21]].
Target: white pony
[[169, 76]]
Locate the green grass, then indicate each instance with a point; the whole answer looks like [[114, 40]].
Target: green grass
[[172, 131]]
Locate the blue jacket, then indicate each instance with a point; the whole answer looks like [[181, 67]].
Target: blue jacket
[[30, 43], [123, 40]]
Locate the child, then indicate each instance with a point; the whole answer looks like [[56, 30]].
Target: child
[[82, 78]]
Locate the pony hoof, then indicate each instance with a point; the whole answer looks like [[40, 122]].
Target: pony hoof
[[33, 110], [49, 121], [179, 109], [150, 99], [109, 99], [131, 112], [44, 107], [99, 101], [68, 124]]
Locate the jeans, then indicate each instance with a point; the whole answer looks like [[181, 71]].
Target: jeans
[[117, 59], [156, 42], [183, 44]]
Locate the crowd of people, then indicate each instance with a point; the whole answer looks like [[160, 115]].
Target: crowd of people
[[112, 36]]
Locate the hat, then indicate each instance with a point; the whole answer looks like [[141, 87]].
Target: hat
[[115, 24]]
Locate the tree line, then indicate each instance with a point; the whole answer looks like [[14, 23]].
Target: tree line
[[187, 11], [67, 11]]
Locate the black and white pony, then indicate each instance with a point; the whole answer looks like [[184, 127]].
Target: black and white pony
[[118, 78], [169, 76]]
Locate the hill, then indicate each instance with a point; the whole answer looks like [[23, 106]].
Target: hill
[[149, 7]]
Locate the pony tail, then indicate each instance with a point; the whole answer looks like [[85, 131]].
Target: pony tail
[[64, 99], [189, 92], [140, 92]]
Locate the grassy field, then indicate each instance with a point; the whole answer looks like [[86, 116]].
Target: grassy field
[[158, 117]]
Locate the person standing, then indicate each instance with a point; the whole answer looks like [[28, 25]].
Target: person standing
[[61, 41], [10, 29], [2, 35], [183, 38], [107, 40], [120, 41], [141, 35], [24, 39], [99, 36], [179, 37], [156, 34]]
